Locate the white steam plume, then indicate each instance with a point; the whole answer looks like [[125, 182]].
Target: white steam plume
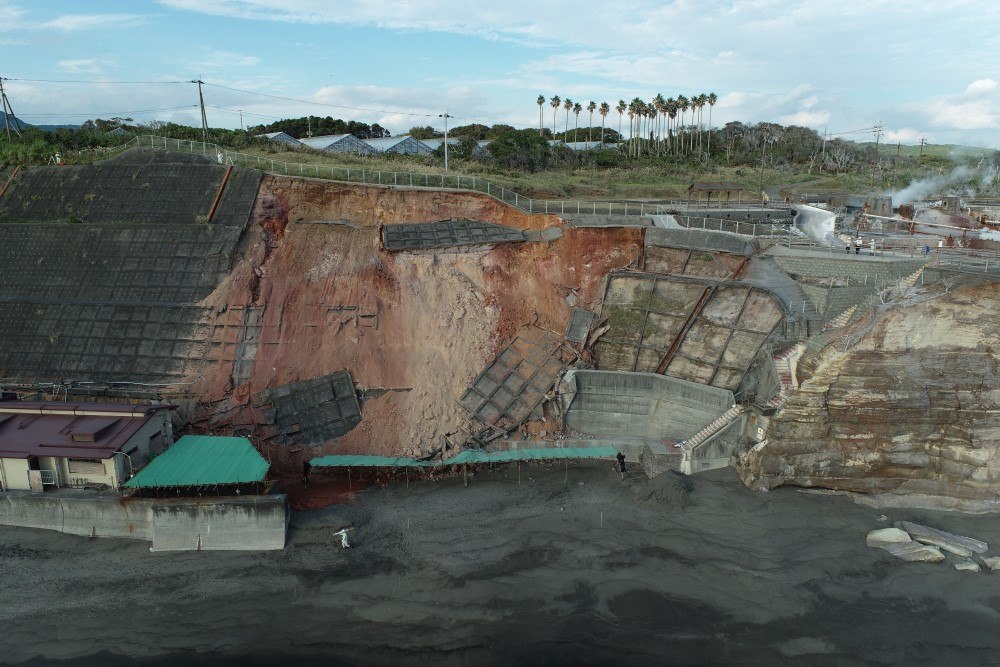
[[924, 187]]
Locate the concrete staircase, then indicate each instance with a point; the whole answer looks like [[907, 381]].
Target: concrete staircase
[[723, 420], [785, 363], [840, 320]]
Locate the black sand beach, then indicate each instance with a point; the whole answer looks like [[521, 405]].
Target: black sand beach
[[590, 572]]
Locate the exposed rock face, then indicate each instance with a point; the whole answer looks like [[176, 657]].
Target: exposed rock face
[[911, 411], [966, 564]]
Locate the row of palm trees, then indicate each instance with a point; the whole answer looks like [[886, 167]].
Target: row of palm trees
[[654, 127]]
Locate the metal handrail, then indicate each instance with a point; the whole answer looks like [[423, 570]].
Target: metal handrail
[[457, 182]]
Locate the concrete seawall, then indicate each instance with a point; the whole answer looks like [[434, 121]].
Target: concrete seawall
[[249, 523]]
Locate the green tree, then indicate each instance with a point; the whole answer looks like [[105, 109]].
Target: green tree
[[520, 149], [541, 102], [554, 103], [425, 132], [712, 99]]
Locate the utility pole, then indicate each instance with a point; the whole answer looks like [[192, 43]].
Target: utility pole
[[921, 147], [8, 112], [878, 135], [309, 126], [241, 119], [824, 143], [446, 117], [204, 118]]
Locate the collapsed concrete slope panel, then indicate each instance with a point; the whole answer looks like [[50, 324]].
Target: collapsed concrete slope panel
[[312, 411], [445, 233], [511, 388]]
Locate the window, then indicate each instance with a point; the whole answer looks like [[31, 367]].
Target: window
[[86, 466]]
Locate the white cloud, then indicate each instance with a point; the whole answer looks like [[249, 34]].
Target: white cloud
[[82, 66], [964, 115], [805, 118], [905, 135], [76, 22], [981, 86], [10, 16]]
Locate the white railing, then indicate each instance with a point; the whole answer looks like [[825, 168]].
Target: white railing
[[458, 182]]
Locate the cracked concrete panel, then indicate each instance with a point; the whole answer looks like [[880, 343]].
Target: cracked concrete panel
[[705, 341], [742, 348], [725, 305], [762, 313], [579, 325], [665, 260], [686, 368]]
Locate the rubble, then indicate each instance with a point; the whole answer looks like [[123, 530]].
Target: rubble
[[956, 544]]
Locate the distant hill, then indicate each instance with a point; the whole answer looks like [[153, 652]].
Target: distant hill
[[17, 122]]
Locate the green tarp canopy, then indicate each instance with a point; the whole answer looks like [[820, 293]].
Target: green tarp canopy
[[203, 460], [467, 456]]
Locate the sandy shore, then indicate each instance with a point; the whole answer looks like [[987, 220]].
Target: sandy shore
[[590, 572]]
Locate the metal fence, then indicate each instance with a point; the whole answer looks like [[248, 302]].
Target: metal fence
[[451, 182]]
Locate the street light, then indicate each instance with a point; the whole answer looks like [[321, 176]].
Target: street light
[[446, 117]]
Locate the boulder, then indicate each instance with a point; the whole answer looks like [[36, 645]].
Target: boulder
[[883, 536], [993, 562], [966, 564], [914, 552], [956, 544]]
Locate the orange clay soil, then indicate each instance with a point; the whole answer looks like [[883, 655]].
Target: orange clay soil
[[440, 317]]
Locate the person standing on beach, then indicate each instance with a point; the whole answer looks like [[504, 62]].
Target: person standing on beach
[[621, 464], [306, 469]]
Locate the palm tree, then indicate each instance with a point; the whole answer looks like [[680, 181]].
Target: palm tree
[[577, 108], [712, 99], [631, 126], [541, 103], [590, 126], [672, 108], [620, 108], [683, 104], [568, 106], [605, 109], [554, 103], [660, 104]]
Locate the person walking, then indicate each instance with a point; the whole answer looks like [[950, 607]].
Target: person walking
[[306, 469], [857, 245], [621, 464]]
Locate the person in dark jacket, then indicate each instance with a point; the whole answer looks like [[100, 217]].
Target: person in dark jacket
[[621, 464], [306, 469]]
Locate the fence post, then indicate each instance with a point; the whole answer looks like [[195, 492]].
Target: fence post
[[626, 208], [578, 207], [641, 209]]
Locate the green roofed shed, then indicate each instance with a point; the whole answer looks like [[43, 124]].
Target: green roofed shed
[[203, 460]]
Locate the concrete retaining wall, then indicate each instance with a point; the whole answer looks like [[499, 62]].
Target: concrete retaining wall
[[858, 270], [716, 452], [251, 523], [641, 405], [104, 516]]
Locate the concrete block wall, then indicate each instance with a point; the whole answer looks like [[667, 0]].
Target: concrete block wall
[[104, 516], [236, 524], [642, 405], [854, 269], [249, 523]]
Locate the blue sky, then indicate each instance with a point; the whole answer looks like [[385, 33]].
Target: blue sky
[[920, 67]]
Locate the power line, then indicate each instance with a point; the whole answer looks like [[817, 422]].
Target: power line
[[88, 81], [95, 114], [321, 104]]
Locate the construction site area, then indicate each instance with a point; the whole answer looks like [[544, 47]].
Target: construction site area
[[386, 333]]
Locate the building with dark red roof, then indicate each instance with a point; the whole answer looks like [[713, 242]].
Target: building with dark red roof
[[78, 444]]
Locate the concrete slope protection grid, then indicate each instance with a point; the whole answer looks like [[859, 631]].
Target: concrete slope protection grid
[[103, 268]]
